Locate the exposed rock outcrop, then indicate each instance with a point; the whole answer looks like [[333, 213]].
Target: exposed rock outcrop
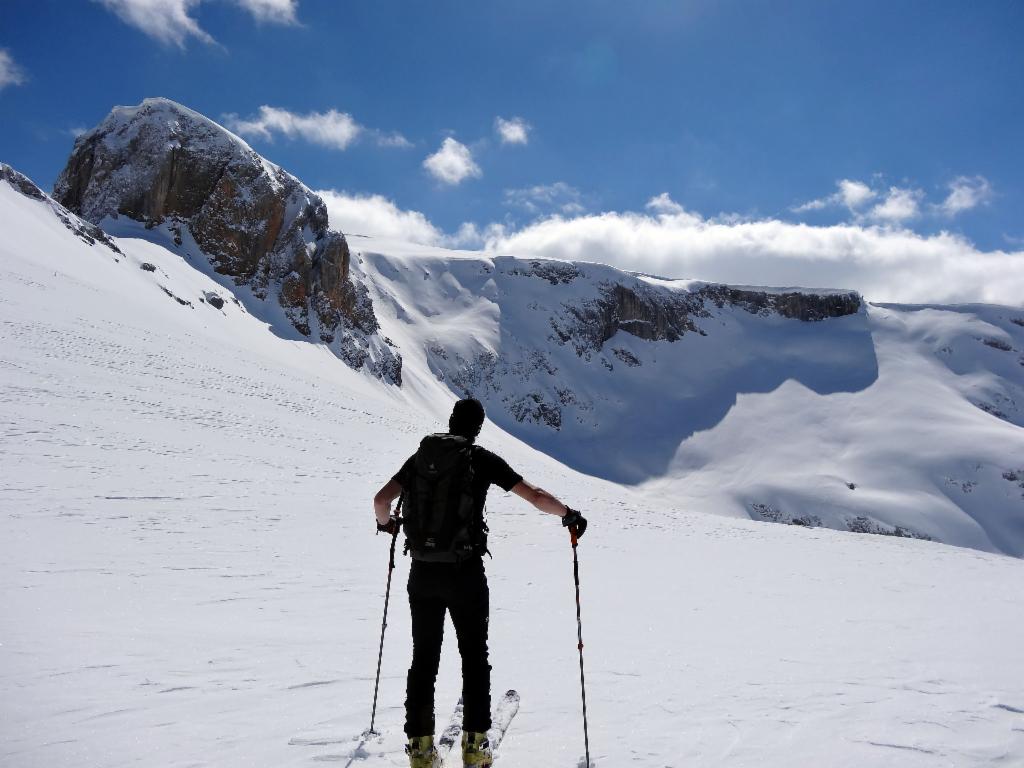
[[639, 310], [164, 165], [798, 305], [655, 313]]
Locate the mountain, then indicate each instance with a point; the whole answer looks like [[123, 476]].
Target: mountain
[[161, 164], [191, 576], [810, 407], [804, 406]]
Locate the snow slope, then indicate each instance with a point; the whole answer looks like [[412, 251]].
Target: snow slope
[[891, 419], [190, 577]]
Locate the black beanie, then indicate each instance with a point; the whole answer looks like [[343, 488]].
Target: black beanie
[[467, 418]]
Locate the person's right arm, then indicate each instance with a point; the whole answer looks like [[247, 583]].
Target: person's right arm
[[539, 498], [382, 501]]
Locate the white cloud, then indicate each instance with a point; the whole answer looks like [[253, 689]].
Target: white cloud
[[546, 198], [275, 11], [168, 21], [171, 21], [854, 193], [396, 140], [899, 205], [883, 263], [850, 193], [966, 193], [514, 130], [333, 129], [377, 216], [453, 163], [664, 205], [10, 72]]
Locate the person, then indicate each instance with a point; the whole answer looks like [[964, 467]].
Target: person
[[453, 580]]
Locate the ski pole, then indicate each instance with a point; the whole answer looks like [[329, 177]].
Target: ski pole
[[579, 635], [384, 623]]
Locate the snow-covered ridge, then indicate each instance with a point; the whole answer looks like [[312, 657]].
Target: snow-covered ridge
[[86, 231], [168, 167], [791, 406]]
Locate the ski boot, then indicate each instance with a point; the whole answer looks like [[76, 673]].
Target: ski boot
[[476, 750], [422, 753]]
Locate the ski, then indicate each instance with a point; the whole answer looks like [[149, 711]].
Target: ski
[[502, 718], [450, 734], [506, 709]]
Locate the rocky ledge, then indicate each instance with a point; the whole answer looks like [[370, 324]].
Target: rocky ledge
[[162, 164], [659, 314]]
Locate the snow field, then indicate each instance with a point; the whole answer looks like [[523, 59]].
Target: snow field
[[190, 575]]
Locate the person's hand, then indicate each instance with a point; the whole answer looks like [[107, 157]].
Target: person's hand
[[391, 526], [575, 522]]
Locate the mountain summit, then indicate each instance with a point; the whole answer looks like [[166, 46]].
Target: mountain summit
[[162, 164]]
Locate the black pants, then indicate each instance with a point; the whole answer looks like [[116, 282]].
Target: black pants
[[461, 589]]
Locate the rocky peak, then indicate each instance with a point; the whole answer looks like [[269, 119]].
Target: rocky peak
[[165, 165]]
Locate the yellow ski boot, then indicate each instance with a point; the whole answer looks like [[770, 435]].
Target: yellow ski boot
[[476, 750], [422, 753]]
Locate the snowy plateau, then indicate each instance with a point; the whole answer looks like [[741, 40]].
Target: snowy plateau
[[807, 509]]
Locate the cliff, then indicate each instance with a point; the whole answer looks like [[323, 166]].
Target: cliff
[[164, 165]]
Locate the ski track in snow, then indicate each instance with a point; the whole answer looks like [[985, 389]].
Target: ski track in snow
[[190, 574]]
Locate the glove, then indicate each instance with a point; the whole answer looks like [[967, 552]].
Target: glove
[[391, 526], [576, 522]]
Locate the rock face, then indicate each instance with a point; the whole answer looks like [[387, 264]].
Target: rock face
[[797, 305], [654, 314], [164, 165]]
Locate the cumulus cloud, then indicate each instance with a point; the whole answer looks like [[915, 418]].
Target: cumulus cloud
[[172, 23], [10, 72], [546, 198], [883, 262], [333, 129], [965, 193], [850, 193], [899, 205], [376, 216], [513, 130], [664, 205], [854, 194], [453, 163]]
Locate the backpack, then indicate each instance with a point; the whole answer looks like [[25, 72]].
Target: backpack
[[441, 521]]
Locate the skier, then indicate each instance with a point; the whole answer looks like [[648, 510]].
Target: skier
[[443, 488]]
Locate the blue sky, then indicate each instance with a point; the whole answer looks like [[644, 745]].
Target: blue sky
[[752, 111]]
